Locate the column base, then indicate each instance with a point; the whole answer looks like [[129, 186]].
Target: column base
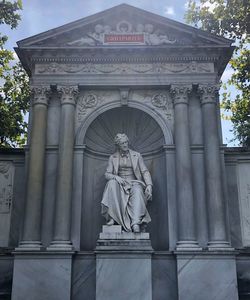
[[29, 246], [219, 246], [60, 246], [188, 246]]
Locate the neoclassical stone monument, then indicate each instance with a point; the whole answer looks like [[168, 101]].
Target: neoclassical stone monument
[[157, 80]]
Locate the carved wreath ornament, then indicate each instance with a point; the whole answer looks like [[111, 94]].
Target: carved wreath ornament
[[164, 103], [86, 102]]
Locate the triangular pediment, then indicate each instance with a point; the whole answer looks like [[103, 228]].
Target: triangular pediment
[[123, 25]]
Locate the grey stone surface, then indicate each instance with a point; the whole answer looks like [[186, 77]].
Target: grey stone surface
[[111, 229], [6, 200], [126, 88], [123, 266], [244, 200], [6, 275], [84, 277], [164, 276], [42, 276], [123, 277], [207, 277], [243, 275], [49, 195]]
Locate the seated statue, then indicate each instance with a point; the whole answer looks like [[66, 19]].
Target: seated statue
[[128, 189]]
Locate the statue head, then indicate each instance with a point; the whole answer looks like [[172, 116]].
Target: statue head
[[149, 28], [98, 28], [121, 141]]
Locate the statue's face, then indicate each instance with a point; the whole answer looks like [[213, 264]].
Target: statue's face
[[123, 145]]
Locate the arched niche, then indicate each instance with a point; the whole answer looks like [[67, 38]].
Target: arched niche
[[146, 137]]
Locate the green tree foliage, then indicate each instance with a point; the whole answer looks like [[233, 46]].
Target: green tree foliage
[[230, 18], [14, 87]]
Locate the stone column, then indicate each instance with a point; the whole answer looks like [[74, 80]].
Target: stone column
[[216, 210], [184, 185], [31, 239], [61, 237]]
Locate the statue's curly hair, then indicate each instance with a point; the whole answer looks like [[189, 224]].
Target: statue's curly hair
[[119, 137]]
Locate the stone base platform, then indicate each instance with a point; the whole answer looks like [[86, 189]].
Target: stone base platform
[[123, 265], [212, 275], [42, 275]]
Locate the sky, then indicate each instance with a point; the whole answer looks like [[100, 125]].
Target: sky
[[41, 15]]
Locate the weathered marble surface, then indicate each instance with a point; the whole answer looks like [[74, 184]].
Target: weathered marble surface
[[84, 277], [42, 276], [164, 276], [244, 200], [6, 199], [207, 277], [123, 277], [123, 265], [243, 275]]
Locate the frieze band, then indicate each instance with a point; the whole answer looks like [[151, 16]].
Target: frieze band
[[124, 68]]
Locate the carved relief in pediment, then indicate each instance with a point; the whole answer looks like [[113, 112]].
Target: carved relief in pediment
[[123, 32]]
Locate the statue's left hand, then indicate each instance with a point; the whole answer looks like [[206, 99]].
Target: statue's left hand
[[148, 192]]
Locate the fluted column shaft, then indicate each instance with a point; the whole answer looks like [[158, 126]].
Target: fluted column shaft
[[61, 237], [185, 199], [216, 210], [34, 192]]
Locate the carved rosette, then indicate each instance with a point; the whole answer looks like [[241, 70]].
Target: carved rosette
[[208, 93], [68, 94], [40, 94], [180, 93]]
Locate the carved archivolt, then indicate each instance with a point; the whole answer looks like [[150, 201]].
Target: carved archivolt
[[6, 186], [158, 100], [124, 68]]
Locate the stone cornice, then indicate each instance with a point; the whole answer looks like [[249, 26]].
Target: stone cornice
[[123, 59]]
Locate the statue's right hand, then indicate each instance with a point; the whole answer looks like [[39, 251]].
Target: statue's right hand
[[120, 180]]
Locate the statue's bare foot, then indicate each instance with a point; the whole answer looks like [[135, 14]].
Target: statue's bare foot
[[111, 222], [136, 228]]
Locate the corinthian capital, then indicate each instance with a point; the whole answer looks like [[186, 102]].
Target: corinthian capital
[[68, 94], [40, 94], [180, 93], [208, 93]]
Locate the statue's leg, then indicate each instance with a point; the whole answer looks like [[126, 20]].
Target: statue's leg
[[136, 205], [114, 203]]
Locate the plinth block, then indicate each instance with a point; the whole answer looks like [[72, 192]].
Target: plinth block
[[123, 266], [42, 276], [207, 276]]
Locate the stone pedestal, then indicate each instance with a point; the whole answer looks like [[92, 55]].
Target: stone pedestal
[[42, 276], [123, 265], [207, 276]]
